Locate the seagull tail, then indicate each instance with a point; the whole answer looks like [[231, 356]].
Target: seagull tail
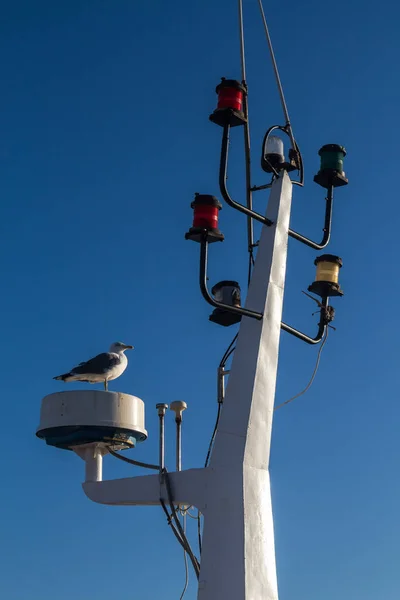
[[64, 377]]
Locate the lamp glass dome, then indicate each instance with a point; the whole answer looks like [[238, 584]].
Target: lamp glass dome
[[327, 271], [227, 292], [274, 147]]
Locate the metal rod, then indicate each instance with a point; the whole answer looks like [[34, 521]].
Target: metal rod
[[246, 135], [249, 194], [206, 294], [321, 327], [161, 408], [178, 422], [222, 182], [178, 406], [277, 77], [220, 385], [241, 32], [326, 230], [257, 188]]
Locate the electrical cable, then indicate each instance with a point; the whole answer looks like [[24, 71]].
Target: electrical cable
[[170, 522], [183, 542], [251, 265], [174, 514], [177, 528], [211, 444], [136, 463], [227, 352], [185, 562], [312, 376]]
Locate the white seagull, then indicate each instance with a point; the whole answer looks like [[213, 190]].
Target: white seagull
[[103, 367]]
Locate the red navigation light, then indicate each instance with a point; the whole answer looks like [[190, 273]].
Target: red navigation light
[[229, 110], [205, 219]]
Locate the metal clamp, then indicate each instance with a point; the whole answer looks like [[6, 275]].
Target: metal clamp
[[326, 316]]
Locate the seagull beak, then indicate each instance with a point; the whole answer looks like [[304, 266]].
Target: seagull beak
[[128, 347]]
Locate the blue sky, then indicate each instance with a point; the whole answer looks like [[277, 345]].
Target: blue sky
[[104, 138]]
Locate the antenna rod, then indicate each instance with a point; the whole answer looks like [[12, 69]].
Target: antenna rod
[[178, 407], [161, 408]]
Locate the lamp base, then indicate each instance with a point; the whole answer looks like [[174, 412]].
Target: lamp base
[[224, 317], [228, 116], [197, 234], [325, 289], [327, 178]]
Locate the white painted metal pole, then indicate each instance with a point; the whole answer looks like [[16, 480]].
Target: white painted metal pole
[[93, 464], [238, 555]]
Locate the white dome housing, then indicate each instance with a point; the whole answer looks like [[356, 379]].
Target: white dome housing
[[80, 417]]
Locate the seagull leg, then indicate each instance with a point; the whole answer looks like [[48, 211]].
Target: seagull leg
[[106, 385]]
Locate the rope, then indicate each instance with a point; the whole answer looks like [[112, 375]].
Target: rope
[[277, 77], [312, 376]]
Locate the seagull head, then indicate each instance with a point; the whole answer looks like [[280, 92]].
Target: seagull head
[[119, 347]]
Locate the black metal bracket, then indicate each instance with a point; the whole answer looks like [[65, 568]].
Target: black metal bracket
[[223, 175], [293, 153], [326, 316], [204, 289], [326, 230]]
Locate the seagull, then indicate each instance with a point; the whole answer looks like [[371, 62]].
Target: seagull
[[103, 367]]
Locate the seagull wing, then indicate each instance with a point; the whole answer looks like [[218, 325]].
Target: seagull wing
[[98, 365]]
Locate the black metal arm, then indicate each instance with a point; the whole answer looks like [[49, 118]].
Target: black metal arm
[[223, 168], [326, 316], [206, 294], [326, 230], [296, 153]]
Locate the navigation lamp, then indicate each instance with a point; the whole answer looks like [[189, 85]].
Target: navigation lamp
[[205, 219], [327, 277], [273, 157], [331, 172], [226, 292], [229, 109]]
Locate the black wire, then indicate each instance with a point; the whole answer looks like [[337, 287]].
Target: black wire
[[230, 349], [169, 519], [199, 531], [230, 352], [134, 462], [227, 352], [251, 263], [178, 529], [214, 433], [195, 562], [184, 543]]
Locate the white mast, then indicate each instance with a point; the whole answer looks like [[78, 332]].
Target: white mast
[[238, 556]]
